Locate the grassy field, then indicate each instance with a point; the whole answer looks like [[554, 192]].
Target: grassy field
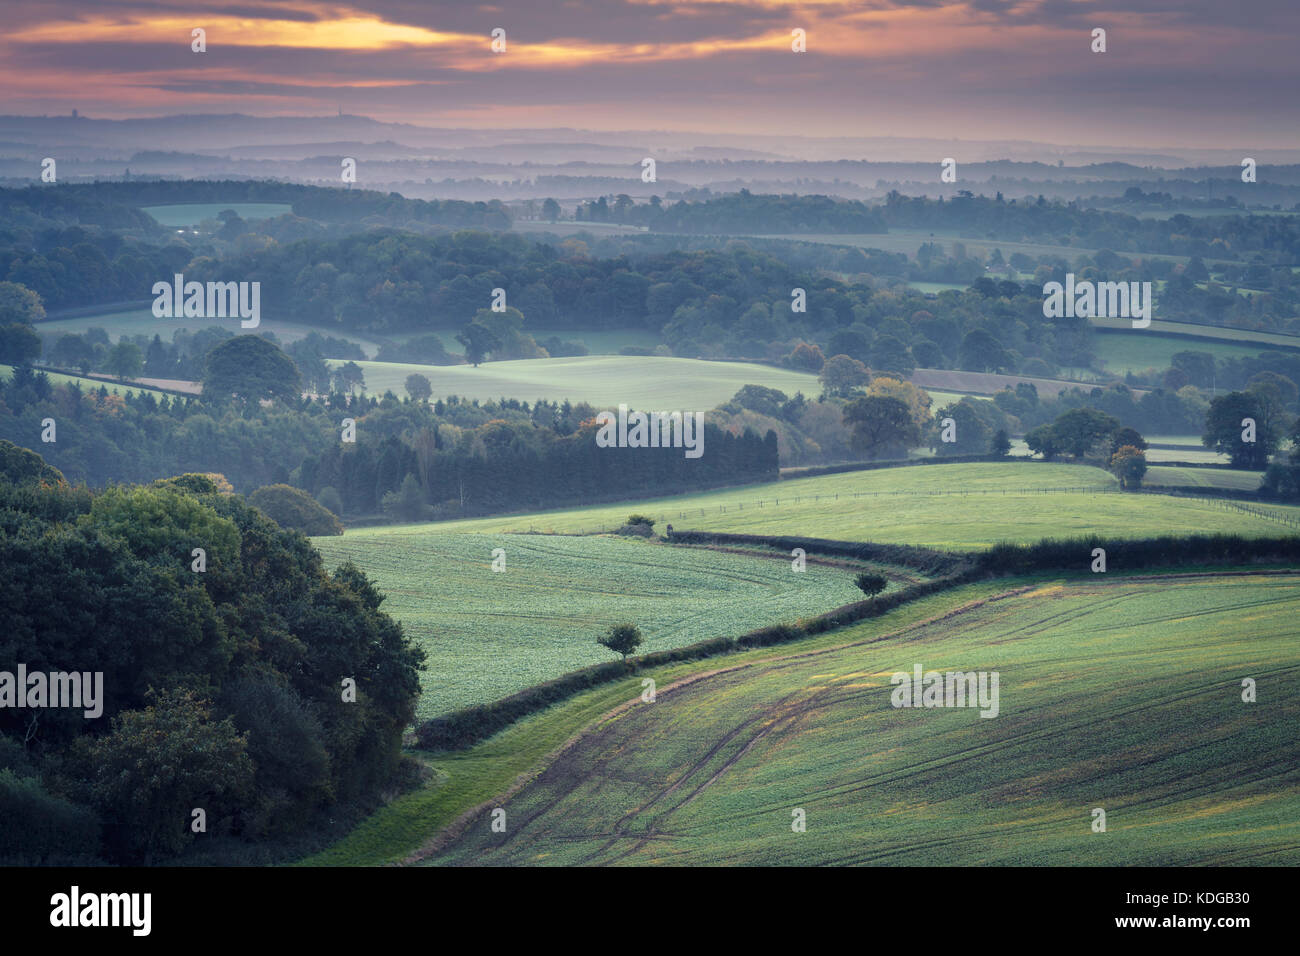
[[463, 779], [939, 399], [958, 506], [115, 388], [193, 213], [1189, 448], [598, 343], [650, 383], [1140, 349], [1264, 340], [939, 286], [489, 634], [143, 322], [1118, 694], [1200, 455], [1157, 476], [605, 342]]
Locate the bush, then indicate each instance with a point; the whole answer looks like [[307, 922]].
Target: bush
[[636, 530], [871, 584], [154, 767], [558, 348], [294, 509], [37, 827], [1281, 481], [621, 639], [284, 741], [1129, 465], [407, 503]]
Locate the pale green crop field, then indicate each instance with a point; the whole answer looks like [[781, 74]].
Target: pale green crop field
[[1123, 695], [1201, 455], [491, 633], [193, 213], [937, 287], [1264, 340], [601, 342], [650, 383], [939, 399], [1189, 449], [956, 506], [1140, 349], [1202, 478]]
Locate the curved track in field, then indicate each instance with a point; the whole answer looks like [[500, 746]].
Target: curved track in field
[[1122, 695]]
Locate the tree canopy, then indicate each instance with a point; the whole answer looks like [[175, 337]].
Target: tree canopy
[[248, 368]]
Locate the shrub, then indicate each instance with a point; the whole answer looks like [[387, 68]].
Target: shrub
[[37, 827], [296, 510], [636, 530], [871, 584], [621, 639], [1129, 465]]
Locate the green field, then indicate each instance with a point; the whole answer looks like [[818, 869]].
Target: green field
[[1118, 694], [1189, 448], [1264, 340], [605, 342], [143, 322], [115, 388], [1140, 349], [958, 506], [646, 382], [489, 634], [193, 213], [1200, 455], [937, 287], [1202, 478]]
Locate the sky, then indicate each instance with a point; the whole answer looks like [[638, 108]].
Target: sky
[[1217, 73]]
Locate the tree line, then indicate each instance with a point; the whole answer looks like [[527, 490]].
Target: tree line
[[249, 698]]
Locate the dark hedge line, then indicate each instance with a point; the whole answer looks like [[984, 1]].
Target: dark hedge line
[[926, 560], [1075, 554], [464, 728]]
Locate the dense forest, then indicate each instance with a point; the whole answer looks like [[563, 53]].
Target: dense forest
[[448, 457], [250, 692], [1271, 239]]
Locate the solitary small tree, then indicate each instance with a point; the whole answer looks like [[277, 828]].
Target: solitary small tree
[[1129, 465], [871, 584], [621, 639], [124, 360]]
